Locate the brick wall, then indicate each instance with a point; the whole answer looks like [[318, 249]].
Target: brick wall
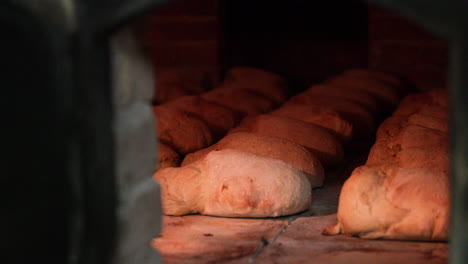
[[306, 41], [190, 33], [182, 34], [398, 45]]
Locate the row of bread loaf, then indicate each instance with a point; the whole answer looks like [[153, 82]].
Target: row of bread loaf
[[402, 192], [351, 100], [172, 83], [193, 122], [298, 137]]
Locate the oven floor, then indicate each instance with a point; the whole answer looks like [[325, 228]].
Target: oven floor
[[291, 239]]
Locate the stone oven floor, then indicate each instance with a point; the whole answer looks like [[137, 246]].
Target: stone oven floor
[[291, 239]]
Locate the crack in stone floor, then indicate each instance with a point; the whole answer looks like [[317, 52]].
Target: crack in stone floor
[[266, 243]]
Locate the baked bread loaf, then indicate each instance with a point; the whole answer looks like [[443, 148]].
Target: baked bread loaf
[[273, 147], [434, 158], [167, 157], [234, 183], [168, 92], [363, 121], [183, 132], [359, 96], [394, 203], [316, 139], [218, 118], [320, 116], [268, 84], [402, 85], [176, 82], [392, 125], [243, 101], [387, 94], [435, 102], [403, 190], [372, 73]]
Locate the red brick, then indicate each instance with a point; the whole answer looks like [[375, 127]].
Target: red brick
[[395, 28], [409, 53]]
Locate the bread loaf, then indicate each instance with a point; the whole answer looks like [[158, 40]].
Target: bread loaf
[[412, 146], [233, 183], [394, 203], [387, 94], [363, 121], [320, 116], [268, 84], [243, 101], [218, 118], [273, 147], [180, 130], [176, 82], [399, 83], [317, 140], [167, 157], [394, 124], [168, 92], [359, 96], [434, 102], [403, 190]]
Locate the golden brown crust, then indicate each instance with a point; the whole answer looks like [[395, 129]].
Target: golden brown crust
[[316, 139], [432, 103], [243, 101], [396, 81], [180, 130], [363, 121], [403, 190], [386, 93], [219, 118], [361, 97], [394, 203], [233, 183], [320, 116], [172, 83], [273, 147], [167, 157], [268, 84]]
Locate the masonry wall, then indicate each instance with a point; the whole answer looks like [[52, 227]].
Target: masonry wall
[[398, 45], [183, 34], [306, 41], [303, 41]]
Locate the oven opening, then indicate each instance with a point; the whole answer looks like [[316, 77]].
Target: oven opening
[[246, 93], [207, 131]]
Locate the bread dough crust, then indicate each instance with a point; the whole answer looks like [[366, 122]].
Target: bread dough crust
[[234, 183], [273, 147]]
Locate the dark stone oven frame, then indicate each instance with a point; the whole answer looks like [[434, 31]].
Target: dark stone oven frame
[[67, 78]]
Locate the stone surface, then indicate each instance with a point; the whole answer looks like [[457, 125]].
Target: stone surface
[[292, 239], [302, 242], [205, 239]]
